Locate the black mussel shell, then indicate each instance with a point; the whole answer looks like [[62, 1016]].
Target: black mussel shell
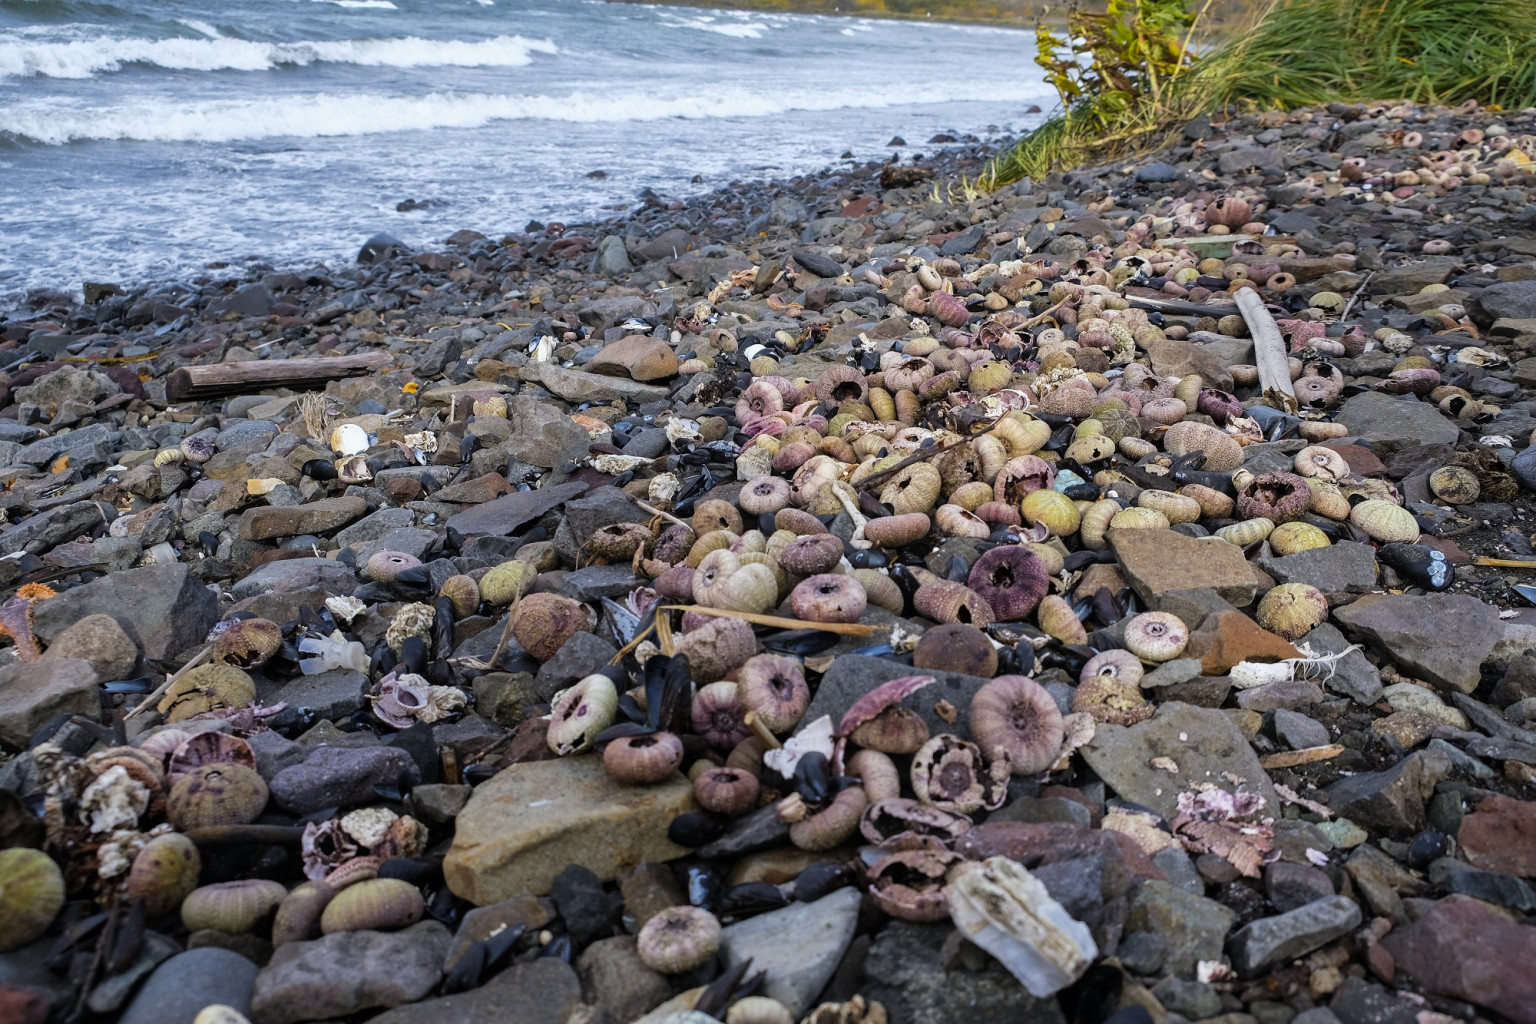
[[697, 828], [820, 879], [319, 469], [1419, 564], [1426, 847]]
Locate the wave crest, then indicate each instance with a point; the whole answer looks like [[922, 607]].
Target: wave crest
[[324, 114], [22, 56]]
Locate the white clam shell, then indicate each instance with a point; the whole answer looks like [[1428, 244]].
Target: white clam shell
[[349, 439]]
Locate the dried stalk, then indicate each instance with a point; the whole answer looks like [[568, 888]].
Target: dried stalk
[[844, 628]]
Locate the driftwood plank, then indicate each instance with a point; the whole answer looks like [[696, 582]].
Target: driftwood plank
[[1268, 351], [196, 382]]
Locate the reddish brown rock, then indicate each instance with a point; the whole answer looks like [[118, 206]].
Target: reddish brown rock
[[1226, 638], [1468, 950], [1160, 562], [1501, 836], [636, 356], [1042, 843]]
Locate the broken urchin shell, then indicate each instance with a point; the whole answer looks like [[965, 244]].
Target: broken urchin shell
[[582, 712], [948, 773], [1001, 907], [909, 884]]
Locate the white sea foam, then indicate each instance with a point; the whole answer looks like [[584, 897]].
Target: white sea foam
[[201, 26], [57, 121], [22, 54], [736, 29]]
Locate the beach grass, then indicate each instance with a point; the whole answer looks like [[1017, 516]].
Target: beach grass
[[1301, 53]]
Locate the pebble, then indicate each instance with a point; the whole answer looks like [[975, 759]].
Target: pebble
[[33, 694], [346, 972], [340, 777], [529, 823], [799, 947], [181, 986], [1272, 940]]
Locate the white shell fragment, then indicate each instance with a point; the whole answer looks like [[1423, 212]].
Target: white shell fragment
[[349, 439], [1245, 675], [1005, 910], [616, 464], [817, 736], [345, 608], [663, 488]]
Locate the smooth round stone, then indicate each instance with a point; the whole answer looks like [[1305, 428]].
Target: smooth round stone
[[189, 981], [242, 432]]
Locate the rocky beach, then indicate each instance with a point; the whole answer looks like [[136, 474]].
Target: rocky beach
[[848, 598]]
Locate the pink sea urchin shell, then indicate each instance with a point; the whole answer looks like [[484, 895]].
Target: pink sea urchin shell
[[1015, 714]]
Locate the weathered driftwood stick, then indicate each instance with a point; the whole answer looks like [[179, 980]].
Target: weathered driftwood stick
[[1268, 351], [195, 382], [1179, 307]]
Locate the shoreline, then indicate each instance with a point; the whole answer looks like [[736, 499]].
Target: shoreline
[[1236, 683], [955, 156]]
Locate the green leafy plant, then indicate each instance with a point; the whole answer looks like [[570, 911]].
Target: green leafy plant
[[1129, 76], [1129, 51]]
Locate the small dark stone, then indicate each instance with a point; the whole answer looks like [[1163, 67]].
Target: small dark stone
[[585, 908]]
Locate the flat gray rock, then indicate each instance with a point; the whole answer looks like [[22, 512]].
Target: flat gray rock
[[580, 386], [1440, 638], [1390, 422], [164, 609], [187, 982], [1346, 567], [853, 675], [1202, 742], [799, 946], [1191, 927], [293, 574], [1351, 674], [345, 972], [506, 513], [1273, 940]]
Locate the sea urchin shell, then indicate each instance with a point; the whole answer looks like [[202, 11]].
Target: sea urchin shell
[[678, 939], [1011, 579], [1015, 714], [1156, 636]]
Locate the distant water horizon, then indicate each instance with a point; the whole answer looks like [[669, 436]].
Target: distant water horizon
[[145, 139]]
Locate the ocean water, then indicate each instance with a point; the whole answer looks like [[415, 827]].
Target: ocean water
[[146, 139]]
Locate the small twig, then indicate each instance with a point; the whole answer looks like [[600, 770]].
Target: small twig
[[1307, 755], [921, 455], [1505, 563], [664, 633], [170, 681], [639, 638], [845, 628], [1355, 297], [506, 631], [653, 510], [761, 731]]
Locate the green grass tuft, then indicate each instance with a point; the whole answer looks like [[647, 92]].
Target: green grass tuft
[[1302, 53]]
